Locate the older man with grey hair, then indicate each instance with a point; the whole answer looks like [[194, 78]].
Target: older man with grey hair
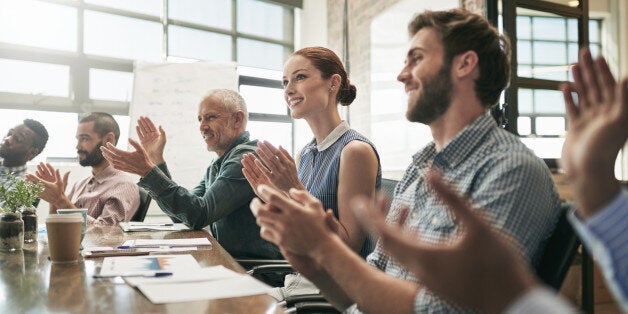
[[222, 197]]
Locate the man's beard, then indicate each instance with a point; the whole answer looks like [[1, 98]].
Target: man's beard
[[7, 154], [435, 97], [93, 158]]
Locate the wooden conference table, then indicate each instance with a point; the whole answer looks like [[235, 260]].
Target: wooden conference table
[[30, 283]]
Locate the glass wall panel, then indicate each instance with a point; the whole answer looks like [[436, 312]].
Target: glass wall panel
[[524, 126], [276, 133], [556, 72], [213, 13], [524, 27], [387, 101], [122, 37], [549, 102], [197, 44], [550, 126], [110, 85], [524, 51], [150, 7], [545, 147], [548, 28], [549, 53], [38, 24], [261, 73], [263, 19], [525, 101], [260, 54], [264, 99], [34, 78]]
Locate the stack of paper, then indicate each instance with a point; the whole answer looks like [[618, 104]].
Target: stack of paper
[[179, 278], [209, 283], [148, 265]]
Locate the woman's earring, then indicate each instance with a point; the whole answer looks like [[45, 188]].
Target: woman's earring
[[331, 90]]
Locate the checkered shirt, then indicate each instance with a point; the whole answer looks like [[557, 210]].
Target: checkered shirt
[[499, 174]]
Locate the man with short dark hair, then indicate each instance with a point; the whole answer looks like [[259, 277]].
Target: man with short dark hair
[[456, 67], [21, 144], [109, 195]]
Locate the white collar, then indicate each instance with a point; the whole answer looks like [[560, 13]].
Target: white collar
[[333, 136]]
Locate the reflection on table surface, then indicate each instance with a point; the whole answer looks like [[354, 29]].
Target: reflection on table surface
[[30, 283]]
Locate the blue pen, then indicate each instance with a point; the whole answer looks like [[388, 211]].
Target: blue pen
[[121, 247], [160, 274], [155, 274]]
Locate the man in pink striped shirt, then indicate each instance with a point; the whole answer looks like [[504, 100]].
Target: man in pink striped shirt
[[109, 195]]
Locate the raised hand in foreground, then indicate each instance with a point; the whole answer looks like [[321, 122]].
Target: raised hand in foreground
[[598, 129]]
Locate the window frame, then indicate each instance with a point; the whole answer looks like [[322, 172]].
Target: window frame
[[509, 9], [80, 63]]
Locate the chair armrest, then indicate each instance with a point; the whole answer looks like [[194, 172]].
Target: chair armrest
[[249, 263], [315, 307], [271, 268], [294, 299], [272, 275]]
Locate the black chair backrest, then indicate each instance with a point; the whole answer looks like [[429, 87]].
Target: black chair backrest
[[387, 186], [559, 251], [145, 199]]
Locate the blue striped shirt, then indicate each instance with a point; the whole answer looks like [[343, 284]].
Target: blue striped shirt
[[499, 174], [605, 235], [319, 166]]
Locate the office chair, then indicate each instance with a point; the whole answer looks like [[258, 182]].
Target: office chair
[[559, 252], [145, 199], [388, 186]]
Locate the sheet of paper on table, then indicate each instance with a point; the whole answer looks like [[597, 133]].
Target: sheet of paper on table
[[104, 251], [238, 286], [133, 226], [139, 243], [147, 265], [204, 274]]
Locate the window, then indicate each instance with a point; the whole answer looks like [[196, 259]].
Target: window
[[546, 36], [62, 58], [546, 46]]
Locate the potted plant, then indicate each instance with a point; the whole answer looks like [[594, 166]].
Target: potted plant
[[17, 195]]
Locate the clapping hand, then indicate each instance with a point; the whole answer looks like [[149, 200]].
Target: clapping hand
[[54, 184], [598, 129], [278, 166], [152, 141], [480, 268], [129, 161]]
